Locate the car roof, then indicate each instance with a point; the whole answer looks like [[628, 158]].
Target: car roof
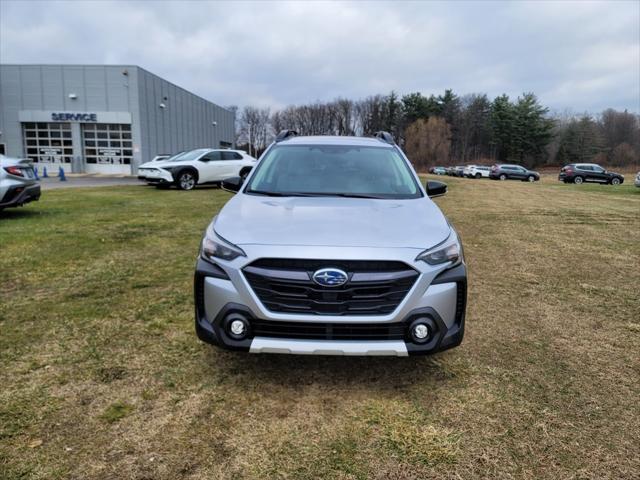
[[335, 140]]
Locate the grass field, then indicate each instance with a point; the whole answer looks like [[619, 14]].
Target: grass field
[[102, 376]]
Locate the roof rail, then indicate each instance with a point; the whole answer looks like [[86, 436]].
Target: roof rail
[[284, 134], [385, 137]]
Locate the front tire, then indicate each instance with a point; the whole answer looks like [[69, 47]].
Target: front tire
[[186, 180], [531, 178], [502, 176], [615, 181], [578, 180], [478, 175]]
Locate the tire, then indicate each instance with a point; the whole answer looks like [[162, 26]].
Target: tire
[[531, 178], [615, 181], [187, 180], [477, 175], [502, 176], [578, 180]]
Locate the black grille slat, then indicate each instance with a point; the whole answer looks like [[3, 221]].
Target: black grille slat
[[327, 331], [374, 287]]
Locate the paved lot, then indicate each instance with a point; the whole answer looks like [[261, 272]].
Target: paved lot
[[101, 181]]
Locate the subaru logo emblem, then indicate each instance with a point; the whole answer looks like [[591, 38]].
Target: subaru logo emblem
[[330, 277]]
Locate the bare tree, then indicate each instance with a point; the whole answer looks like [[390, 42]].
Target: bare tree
[[254, 128], [428, 142]]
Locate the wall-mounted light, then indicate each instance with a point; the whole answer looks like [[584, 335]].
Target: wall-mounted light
[[125, 72], [162, 105], [215, 124], [73, 96]]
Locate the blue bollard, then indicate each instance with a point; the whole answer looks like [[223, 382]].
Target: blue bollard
[[44, 173], [61, 175], [35, 172]]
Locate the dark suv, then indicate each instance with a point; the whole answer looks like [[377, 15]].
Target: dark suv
[[513, 172], [588, 172]]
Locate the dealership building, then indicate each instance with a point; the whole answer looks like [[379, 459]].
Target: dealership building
[[102, 118]]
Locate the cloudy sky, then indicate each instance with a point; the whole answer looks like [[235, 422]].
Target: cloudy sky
[[575, 55]]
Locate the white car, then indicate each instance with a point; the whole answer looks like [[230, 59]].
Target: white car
[[476, 171], [197, 167]]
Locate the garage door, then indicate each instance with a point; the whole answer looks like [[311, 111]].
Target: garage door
[[107, 147], [48, 145]]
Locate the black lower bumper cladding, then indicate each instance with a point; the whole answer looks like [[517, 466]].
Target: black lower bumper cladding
[[215, 331], [19, 195]]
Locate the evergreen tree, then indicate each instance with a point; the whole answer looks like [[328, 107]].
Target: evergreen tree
[[531, 131], [501, 121]]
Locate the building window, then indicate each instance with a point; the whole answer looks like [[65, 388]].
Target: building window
[[107, 143], [43, 142]]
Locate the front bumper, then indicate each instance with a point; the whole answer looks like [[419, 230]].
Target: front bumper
[[19, 194], [438, 298], [155, 175]]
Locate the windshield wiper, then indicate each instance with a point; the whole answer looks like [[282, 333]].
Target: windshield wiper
[[279, 194], [314, 194], [345, 195]]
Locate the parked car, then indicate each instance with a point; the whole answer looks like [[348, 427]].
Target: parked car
[[197, 167], [476, 171], [637, 182], [504, 171], [18, 183], [457, 171], [439, 171], [588, 172], [331, 247]]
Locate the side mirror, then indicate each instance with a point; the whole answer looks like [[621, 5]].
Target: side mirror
[[436, 189], [232, 184]]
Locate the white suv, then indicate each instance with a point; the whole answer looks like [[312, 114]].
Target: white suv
[[476, 171], [197, 167]]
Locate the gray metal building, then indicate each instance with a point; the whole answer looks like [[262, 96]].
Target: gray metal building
[[102, 118]]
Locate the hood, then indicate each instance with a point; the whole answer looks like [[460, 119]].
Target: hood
[[328, 221], [158, 164]]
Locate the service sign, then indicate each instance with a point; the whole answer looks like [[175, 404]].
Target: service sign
[[74, 117]]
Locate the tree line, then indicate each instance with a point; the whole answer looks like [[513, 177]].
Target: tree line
[[448, 129]]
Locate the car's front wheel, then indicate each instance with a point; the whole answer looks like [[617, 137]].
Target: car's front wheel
[[578, 180], [186, 180], [531, 178], [478, 175], [503, 176], [615, 181]]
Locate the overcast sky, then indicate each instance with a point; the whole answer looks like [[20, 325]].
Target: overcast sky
[[581, 56]]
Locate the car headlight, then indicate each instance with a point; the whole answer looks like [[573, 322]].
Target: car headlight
[[214, 246], [448, 251]]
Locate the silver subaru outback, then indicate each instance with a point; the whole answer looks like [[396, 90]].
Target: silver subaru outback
[[331, 246]]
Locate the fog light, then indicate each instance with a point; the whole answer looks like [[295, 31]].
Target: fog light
[[420, 332], [238, 328]]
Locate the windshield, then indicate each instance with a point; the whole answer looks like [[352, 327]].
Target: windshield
[[334, 170], [188, 156]]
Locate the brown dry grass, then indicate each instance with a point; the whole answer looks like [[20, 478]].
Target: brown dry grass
[[102, 376]]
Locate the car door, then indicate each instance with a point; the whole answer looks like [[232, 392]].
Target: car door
[[522, 173], [233, 163], [512, 172], [209, 166], [585, 172], [599, 174]]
